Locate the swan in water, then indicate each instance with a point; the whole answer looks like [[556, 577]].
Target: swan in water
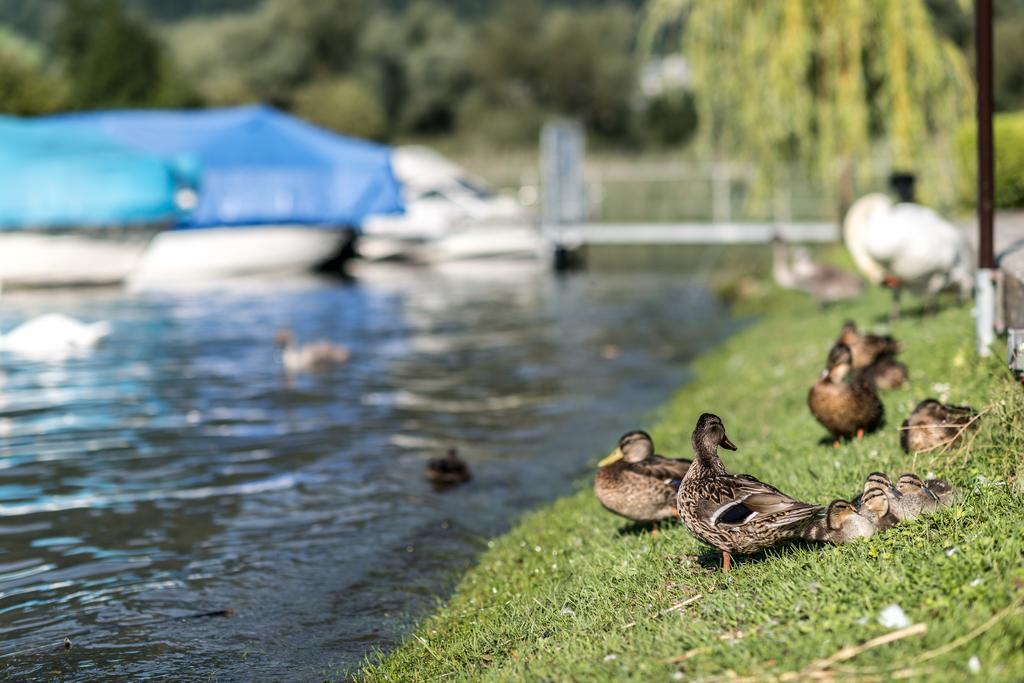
[[318, 355], [826, 283], [54, 335], [907, 246]]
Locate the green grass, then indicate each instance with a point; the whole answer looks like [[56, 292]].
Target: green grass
[[573, 593]]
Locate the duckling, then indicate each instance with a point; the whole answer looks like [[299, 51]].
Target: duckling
[[735, 513], [935, 425], [840, 523], [315, 356], [874, 357], [946, 492], [448, 470], [915, 497], [636, 484], [885, 373], [867, 348], [877, 500], [844, 408]]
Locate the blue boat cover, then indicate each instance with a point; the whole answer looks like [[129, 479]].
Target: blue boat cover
[[52, 178], [257, 165]]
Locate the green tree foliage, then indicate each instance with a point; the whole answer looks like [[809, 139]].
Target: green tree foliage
[[580, 64], [1008, 131], [266, 55], [432, 70], [345, 105], [112, 58], [1008, 69], [26, 86], [670, 118], [419, 63], [820, 81]]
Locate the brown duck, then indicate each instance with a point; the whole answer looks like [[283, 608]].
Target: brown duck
[[874, 357], [447, 471], [867, 348], [935, 425], [885, 373], [840, 523], [637, 484], [845, 408], [735, 513]]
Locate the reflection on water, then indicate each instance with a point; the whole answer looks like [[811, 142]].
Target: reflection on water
[[176, 472]]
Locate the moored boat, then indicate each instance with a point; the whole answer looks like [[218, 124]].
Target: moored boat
[[76, 208]]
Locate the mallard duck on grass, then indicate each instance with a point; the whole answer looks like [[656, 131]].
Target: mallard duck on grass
[[735, 513], [447, 471], [935, 425], [637, 484], [845, 405]]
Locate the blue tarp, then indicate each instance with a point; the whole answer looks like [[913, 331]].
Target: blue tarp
[[257, 165], [52, 178]]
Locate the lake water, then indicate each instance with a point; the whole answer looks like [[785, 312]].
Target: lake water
[[176, 472]]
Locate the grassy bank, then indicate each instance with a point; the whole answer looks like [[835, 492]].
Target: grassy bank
[[575, 593]]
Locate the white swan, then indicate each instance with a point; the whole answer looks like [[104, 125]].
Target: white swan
[[53, 335], [826, 283], [907, 246]]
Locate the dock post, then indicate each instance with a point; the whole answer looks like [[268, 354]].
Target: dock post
[[563, 194], [985, 279]]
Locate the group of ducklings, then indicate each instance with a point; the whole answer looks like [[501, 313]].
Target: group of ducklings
[[738, 514]]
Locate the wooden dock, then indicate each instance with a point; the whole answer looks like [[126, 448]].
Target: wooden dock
[[601, 234]]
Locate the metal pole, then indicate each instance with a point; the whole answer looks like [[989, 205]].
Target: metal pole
[[985, 287]]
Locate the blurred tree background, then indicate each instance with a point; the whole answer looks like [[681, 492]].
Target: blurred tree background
[[809, 82]]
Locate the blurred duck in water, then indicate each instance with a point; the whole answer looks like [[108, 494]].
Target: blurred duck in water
[[636, 484], [845, 406], [935, 425], [447, 471], [874, 357], [312, 357], [735, 513], [907, 246], [825, 283]]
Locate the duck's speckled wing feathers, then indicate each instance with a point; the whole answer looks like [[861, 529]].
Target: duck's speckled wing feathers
[[743, 498]]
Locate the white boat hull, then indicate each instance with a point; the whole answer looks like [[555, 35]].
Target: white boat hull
[[178, 256], [55, 259], [480, 242]]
